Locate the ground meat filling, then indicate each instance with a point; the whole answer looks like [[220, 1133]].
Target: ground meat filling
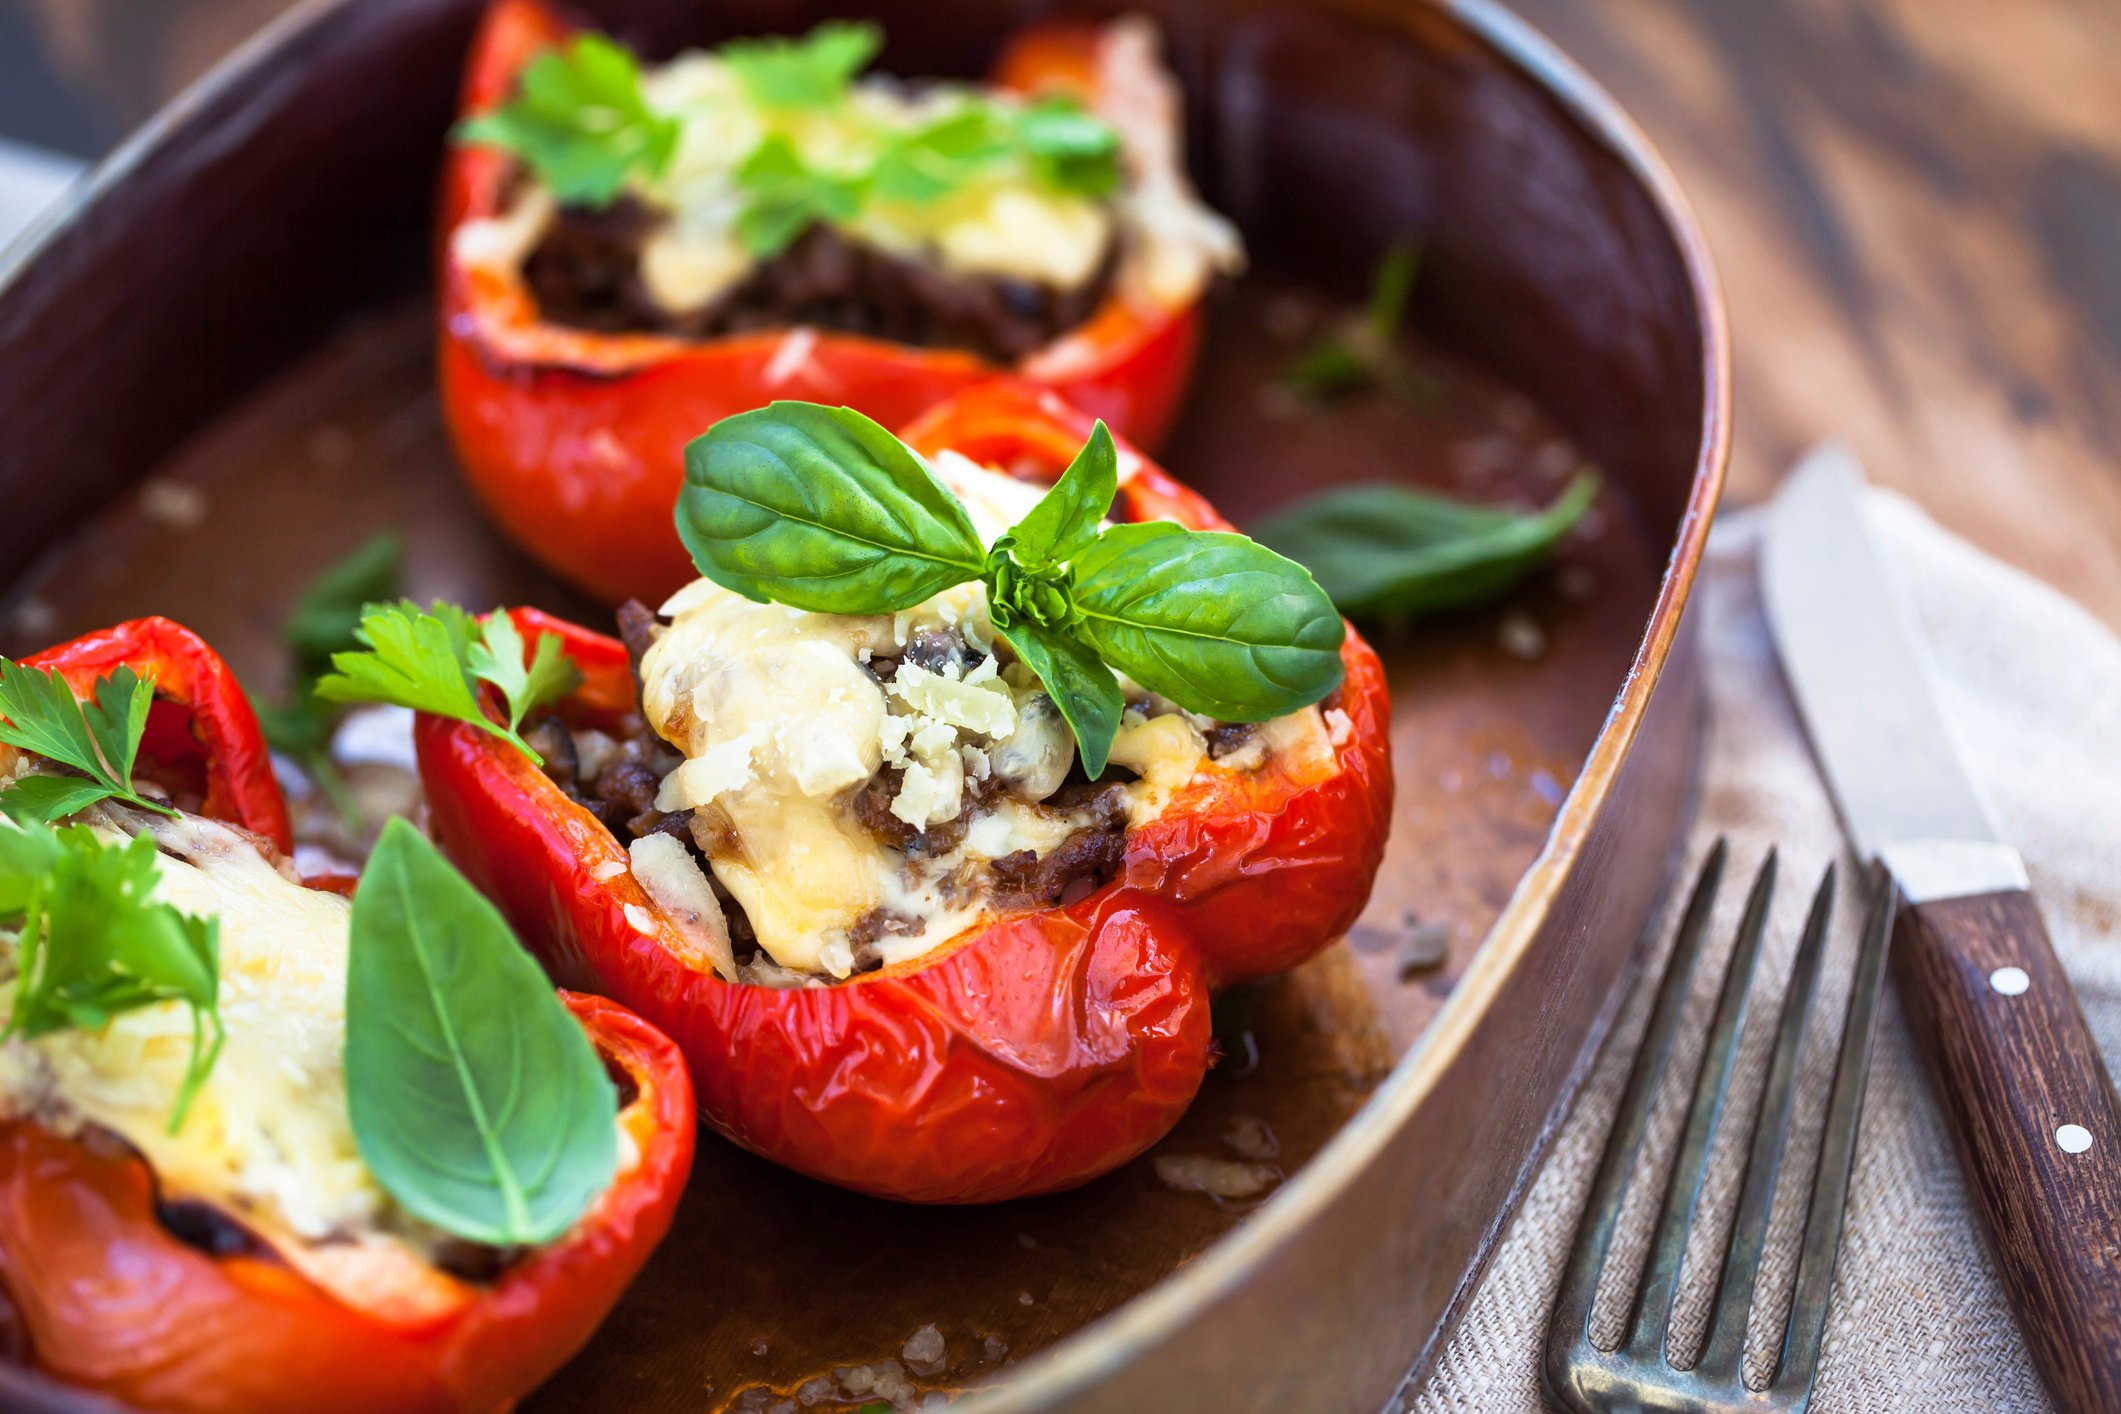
[[615, 775], [585, 273]]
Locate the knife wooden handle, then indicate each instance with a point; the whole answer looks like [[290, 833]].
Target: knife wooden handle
[[2035, 1119]]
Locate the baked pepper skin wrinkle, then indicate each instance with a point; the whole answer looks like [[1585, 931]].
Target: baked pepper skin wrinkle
[[575, 440], [1032, 1054], [113, 1302], [200, 712]]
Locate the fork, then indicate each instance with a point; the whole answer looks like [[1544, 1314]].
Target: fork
[[1640, 1374]]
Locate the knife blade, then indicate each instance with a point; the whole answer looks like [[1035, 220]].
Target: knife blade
[[2025, 1093]]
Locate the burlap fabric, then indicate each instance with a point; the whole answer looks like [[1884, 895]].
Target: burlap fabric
[[2032, 684]]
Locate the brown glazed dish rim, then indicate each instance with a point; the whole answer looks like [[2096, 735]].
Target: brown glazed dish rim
[[1104, 1347], [1098, 1351]]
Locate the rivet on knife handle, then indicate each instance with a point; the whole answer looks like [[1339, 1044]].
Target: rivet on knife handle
[[2034, 1117]]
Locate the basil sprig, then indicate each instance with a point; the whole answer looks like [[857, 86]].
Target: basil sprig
[[94, 943], [1393, 552], [476, 1098], [821, 509]]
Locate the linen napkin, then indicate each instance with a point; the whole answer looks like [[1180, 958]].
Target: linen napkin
[[2031, 683]]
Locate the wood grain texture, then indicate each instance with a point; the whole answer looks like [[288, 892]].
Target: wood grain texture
[[2009, 1071], [1916, 208]]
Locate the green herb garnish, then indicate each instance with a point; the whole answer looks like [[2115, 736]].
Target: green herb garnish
[[811, 72], [1072, 150], [325, 621], [1065, 148], [476, 1098], [1365, 351], [579, 120], [1391, 552], [94, 945], [785, 198], [821, 509], [433, 660], [100, 738], [932, 161]]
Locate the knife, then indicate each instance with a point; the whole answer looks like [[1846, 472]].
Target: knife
[[2031, 1110]]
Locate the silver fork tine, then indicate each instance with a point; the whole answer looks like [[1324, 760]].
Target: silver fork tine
[[1579, 1282], [1837, 1152], [1724, 1355], [1682, 1191]]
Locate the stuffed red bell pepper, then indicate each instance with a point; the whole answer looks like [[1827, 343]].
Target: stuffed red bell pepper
[[629, 256], [927, 920], [205, 1202]]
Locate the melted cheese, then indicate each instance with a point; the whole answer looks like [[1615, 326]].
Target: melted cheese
[[268, 1135], [1001, 223]]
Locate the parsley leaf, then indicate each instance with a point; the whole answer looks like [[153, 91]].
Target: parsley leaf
[[932, 161], [580, 122], [811, 72], [1070, 148], [1365, 352], [94, 944], [323, 622], [498, 658], [433, 660], [786, 198], [100, 738]]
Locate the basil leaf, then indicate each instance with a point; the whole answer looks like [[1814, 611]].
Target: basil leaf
[[821, 509], [1214, 622], [1070, 149], [811, 72], [476, 1098], [580, 122], [787, 198], [1391, 552], [1079, 684], [1064, 523]]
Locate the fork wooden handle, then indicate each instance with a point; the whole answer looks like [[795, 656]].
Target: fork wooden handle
[[2035, 1119]]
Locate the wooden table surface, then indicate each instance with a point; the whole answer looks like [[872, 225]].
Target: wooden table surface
[[1916, 206]]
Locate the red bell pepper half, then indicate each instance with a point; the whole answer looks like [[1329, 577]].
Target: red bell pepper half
[[575, 439], [96, 1290], [1032, 1053]]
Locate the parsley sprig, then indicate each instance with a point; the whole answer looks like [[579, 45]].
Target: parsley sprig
[[434, 659], [1364, 351], [100, 738], [579, 120], [94, 944], [811, 72], [322, 623], [821, 509]]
